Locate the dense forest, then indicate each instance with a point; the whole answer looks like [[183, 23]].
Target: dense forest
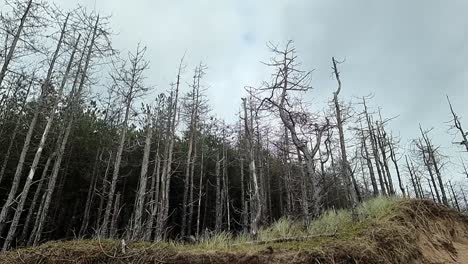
[[90, 149]]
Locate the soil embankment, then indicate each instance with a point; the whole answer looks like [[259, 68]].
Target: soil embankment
[[417, 231]]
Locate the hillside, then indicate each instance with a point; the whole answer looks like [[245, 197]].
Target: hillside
[[389, 231]]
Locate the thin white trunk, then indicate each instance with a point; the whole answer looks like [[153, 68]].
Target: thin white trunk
[[11, 51], [137, 227]]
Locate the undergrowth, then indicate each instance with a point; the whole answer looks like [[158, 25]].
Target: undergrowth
[[387, 231], [332, 227], [332, 223]]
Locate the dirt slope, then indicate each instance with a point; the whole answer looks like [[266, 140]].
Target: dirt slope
[[418, 231]]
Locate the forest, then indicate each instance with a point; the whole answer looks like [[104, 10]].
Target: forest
[[90, 149]]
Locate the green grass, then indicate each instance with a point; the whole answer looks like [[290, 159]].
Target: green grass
[[385, 230], [332, 222]]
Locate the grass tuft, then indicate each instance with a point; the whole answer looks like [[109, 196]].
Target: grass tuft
[[377, 208], [282, 228], [330, 222]]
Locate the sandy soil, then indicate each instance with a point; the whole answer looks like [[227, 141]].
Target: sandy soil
[[462, 252]]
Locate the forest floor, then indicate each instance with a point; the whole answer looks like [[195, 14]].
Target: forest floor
[[389, 231]]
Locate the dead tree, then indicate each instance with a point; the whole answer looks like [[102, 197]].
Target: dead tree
[[426, 161], [166, 175], [91, 193], [225, 193], [35, 200], [455, 199], [46, 89], [432, 161], [287, 79], [74, 100], [375, 150], [193, 106], [345, 167], [457, 125], [381, 139], [391, 146], [256, 208], [16, 38], [200, 184], [155, 176], [413, 179], [130, 80], [15, 130], [367, 157], [141, 193], [37, 156]]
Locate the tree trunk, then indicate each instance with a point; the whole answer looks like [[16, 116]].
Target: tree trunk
[[382, 179], [167, 168], [155, 184], [200, 189], [428, 165], [15, 132], [37, 193], [395, 163], [226, 188], [454, 197], [345, 168], [191, 190], [457, 125], [19, 168], [103, 192], [257, 209], [75, 95], [37, 156], [115, 216], [413, 182], [137, 228], [374, 148], [90, 196], [304, 194], [375, 189], [439, 177], [381, 139], [11, 51], [219, 208]]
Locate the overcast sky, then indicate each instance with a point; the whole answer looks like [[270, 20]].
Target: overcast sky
[[409, 54]]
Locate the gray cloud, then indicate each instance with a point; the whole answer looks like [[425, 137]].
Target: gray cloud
[[409, 54]]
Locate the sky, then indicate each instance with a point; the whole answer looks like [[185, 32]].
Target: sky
[[408, 54]]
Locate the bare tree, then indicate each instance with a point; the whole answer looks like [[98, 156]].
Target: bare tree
[[74, 100], [141, 193], [193, 109], [381, 139], [392, 145], [375, 150], [457, 125], [248, 130], [288, 78], [45, 90], [432, 161], [345, 167], [367, 157], [173, 113], [413, 179], [16, 38], [15, 130], [129, 80]]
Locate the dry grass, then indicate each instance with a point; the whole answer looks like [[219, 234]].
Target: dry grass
[[388, 231]]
